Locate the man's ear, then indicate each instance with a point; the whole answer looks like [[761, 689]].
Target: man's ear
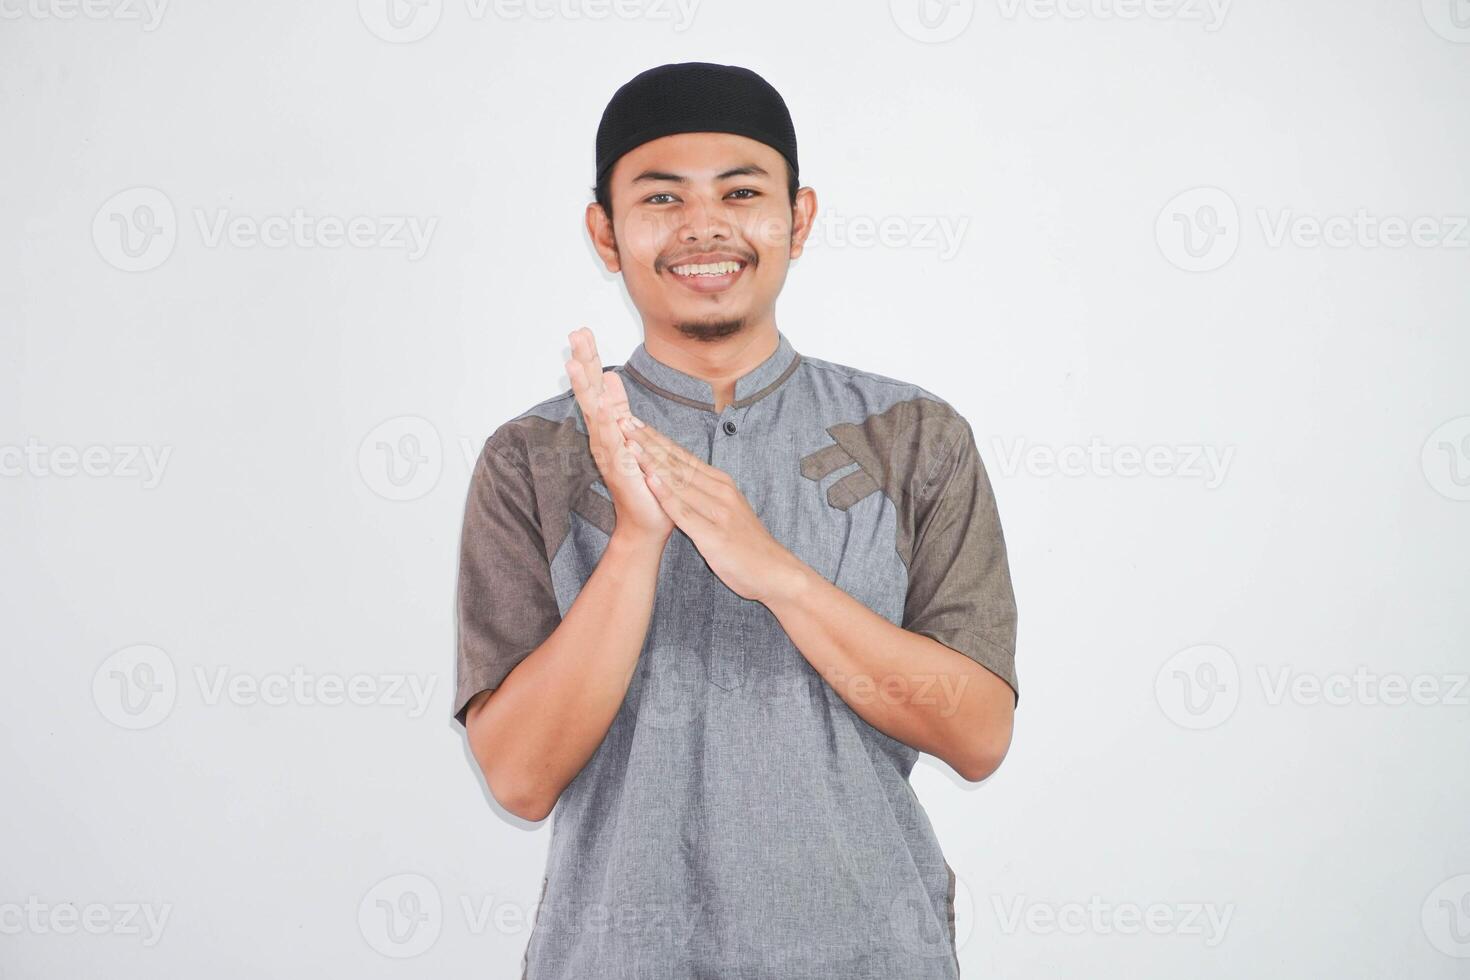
[[600, 230], [803, 216]]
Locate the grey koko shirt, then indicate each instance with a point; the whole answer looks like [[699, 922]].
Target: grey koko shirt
[[740, 821]]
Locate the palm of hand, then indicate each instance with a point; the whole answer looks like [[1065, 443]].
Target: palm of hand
[[604, 401]]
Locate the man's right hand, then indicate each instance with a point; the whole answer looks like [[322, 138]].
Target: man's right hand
[[604, 401]]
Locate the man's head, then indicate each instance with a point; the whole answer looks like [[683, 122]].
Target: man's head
[[696, 165]]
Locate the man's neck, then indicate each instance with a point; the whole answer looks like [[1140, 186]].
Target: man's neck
[[720, 362]]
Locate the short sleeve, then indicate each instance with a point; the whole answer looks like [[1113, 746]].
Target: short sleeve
[[959, 590], [507, 606]]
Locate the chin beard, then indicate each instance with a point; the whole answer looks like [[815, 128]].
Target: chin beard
[[707, 330]]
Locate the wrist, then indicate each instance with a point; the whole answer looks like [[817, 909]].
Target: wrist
[[637, 544], [790, 585]]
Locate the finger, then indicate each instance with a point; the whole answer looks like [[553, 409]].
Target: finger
[[651, 436], [582, 387], [590, 374], [584, 349], [612, 441], [678, 474], [616, 394], [685, 466], [685, 516], [697, 491]]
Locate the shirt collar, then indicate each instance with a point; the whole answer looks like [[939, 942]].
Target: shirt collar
[[686, 389]]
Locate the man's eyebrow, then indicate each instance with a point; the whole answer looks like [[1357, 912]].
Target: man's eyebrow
[[748, 170]]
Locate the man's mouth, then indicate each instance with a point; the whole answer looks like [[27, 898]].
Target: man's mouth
[[708, 277]]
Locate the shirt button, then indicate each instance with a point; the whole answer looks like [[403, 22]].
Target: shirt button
[[729, 428]]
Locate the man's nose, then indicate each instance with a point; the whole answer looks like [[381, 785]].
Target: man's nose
[[704, 219]]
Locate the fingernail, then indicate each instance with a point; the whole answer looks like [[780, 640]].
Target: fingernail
[[636, 421]]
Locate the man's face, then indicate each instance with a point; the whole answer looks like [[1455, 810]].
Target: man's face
[[715, 200]]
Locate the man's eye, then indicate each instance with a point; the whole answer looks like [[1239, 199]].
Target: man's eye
[[654, 198]]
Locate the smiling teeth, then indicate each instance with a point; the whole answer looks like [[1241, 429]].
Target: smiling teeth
[[709, 269]]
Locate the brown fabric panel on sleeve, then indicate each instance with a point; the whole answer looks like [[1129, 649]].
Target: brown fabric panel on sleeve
[[507, 606], [960, 590], [901, 449], [562, 470], [922, 453]]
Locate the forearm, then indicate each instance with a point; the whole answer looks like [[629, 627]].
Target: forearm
[[542, 724], [908, 686]]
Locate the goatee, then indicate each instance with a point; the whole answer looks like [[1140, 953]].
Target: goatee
[[707, 330]]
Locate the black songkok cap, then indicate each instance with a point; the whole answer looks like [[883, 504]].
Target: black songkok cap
[[693, 97]]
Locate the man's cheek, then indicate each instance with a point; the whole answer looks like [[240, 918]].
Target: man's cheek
[[768, 233]]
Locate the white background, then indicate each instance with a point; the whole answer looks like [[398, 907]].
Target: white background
[[319, 407]]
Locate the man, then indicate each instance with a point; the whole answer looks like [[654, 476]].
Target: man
[[715, 601]]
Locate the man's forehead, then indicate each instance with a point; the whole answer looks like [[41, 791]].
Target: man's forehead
[[698, 156]]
